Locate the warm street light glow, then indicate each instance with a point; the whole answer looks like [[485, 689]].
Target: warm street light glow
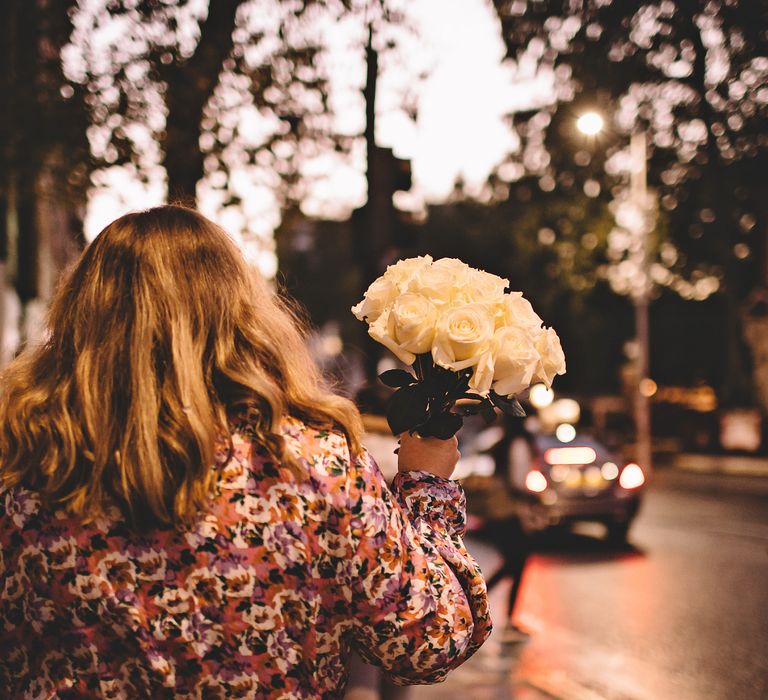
[[570, 455], [535, 481], [565, 432], [540, 395], [631, 477], [590, 123]]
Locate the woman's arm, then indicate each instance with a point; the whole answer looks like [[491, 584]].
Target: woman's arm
[[419, 602]]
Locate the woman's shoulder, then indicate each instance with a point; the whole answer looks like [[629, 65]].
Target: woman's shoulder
[[315, 445]]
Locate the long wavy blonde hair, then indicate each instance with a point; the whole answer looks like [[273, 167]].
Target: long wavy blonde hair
[[158, 332]]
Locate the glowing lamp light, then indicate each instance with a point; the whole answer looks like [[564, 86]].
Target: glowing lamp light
[[541, 396], [593, 476], [609, 471], [590, 123], [535, 481], [559, 472], [570, 455], [631, 477], [565, 432]]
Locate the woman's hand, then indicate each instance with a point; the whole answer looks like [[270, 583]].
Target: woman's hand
[[432, 455]]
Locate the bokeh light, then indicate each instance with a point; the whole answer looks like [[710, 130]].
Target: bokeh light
[[540, 396], [590, 123], [565, 432]]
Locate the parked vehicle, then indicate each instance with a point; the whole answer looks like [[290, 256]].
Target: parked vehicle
[[575, 480]]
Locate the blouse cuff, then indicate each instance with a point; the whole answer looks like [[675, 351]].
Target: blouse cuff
[[439, 502]]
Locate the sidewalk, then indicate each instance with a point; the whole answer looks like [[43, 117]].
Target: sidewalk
[[737, 465], [500, 671], [491, 674]]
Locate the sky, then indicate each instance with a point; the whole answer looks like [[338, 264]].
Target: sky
[[461, 131]]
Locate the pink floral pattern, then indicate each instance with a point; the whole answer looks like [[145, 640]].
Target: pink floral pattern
[[262, 598]]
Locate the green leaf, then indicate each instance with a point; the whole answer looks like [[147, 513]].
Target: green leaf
[[466, 410], [407, 408], [509, 404], [397, 378], [470, 404], [441, 379], [487, 412], [442, 426], [462, 379]]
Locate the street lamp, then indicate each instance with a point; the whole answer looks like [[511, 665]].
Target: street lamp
[[590, 124]]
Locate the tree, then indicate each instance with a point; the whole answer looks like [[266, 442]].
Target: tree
[[690, 73], [44, 159], [234, 98], [163, 79], [189, 85]]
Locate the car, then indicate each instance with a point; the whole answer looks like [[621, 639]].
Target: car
[[576, 480]]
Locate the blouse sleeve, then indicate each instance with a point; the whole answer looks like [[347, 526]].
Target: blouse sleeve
[[420, 605]]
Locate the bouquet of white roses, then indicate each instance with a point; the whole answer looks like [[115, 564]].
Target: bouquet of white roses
[[467, 339]]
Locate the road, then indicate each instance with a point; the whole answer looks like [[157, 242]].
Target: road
[[681, 614]]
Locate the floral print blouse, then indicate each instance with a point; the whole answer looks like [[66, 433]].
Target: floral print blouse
[[263, 598]]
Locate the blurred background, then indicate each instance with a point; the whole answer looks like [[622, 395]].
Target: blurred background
[[608, 157]]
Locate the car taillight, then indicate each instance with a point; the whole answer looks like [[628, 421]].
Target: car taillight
[[631, 477], [535, 481]]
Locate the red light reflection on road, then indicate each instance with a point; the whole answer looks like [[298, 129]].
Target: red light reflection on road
[[630, 607]]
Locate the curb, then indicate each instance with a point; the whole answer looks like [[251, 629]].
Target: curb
[[558, 686], [736, 465]]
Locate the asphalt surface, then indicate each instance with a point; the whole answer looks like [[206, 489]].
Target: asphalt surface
[[680, 614]]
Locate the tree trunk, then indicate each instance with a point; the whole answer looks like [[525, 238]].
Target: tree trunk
[[190, 85], [45, 159], [370, 238]]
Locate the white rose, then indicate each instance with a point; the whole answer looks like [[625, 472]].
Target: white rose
[[463, 335], [484, 287], [401, 273], [379, 331], [552, 360], [441, 280], [518, 312], [515, 359], [408, 328], [412, 322], [376, 299], [482, 377]]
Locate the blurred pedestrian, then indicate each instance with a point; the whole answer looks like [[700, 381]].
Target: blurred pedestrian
[[186, 509], [513, 455], [514, 546]]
